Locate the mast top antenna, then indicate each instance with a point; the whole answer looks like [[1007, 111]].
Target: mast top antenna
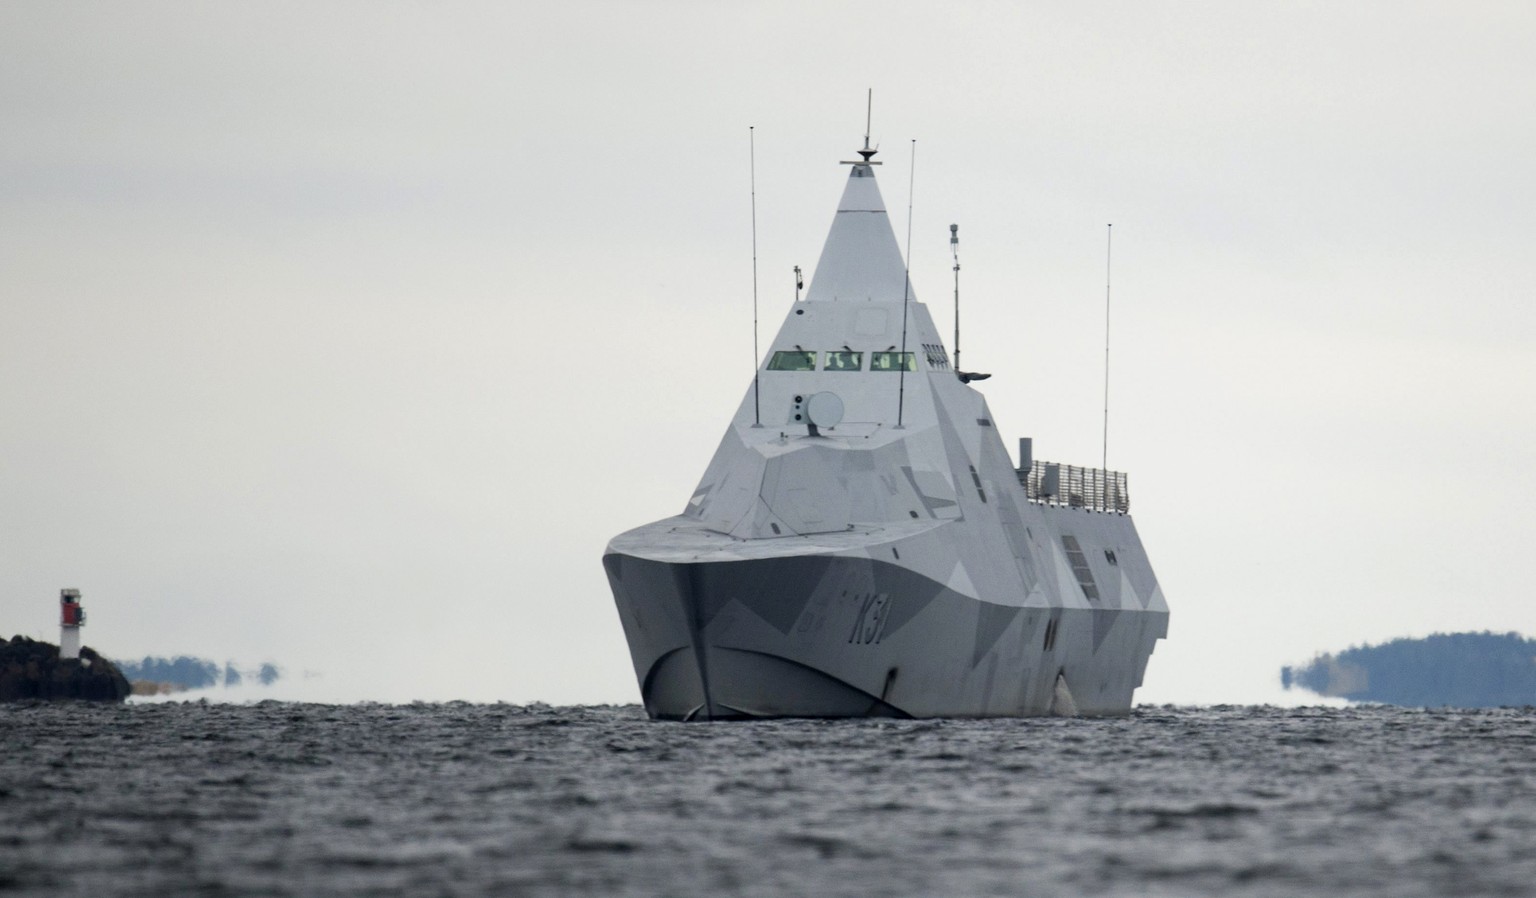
[[867, 152]]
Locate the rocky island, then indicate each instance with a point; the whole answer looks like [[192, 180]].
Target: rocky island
[[33, 670], [163, 676], [1460, 670]]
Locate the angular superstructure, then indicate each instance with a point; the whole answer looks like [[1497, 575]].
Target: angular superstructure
[[862, 544]]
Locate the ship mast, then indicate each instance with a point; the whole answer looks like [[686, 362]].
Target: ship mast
[[954, 248]]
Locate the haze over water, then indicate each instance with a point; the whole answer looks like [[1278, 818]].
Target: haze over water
[[330, 332], [460, 799]]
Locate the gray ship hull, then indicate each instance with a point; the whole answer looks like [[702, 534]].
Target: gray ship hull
[[851, 635]]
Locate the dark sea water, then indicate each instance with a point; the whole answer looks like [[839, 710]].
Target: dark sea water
[[455, 799]]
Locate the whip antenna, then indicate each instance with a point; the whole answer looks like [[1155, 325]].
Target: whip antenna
[[757, 408], [869, 111], [906, 290], [954, 247], [1109, 245]]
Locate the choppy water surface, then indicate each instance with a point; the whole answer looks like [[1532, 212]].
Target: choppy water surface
[[284, 799]]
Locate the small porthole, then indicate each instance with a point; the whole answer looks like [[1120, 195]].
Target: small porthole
[[799, 311], [775, 528], [912, 513]]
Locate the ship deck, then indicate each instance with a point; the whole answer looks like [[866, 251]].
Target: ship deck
[[683, 539]]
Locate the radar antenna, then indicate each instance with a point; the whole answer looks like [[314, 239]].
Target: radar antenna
[[868, 151]]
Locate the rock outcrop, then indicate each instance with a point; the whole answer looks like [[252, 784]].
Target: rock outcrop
[[32, 670]]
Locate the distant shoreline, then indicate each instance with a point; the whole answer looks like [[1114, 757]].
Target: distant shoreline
[[1460, 670]]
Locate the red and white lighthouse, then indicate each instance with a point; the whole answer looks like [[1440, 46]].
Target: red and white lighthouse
[[71, 619]]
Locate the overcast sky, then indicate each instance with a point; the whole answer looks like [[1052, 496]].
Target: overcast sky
[[345, 335]]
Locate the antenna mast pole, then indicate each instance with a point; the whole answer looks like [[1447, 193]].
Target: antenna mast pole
[[869, 110], [906, 291], [1109, 245], [757, 409], [954, 247]]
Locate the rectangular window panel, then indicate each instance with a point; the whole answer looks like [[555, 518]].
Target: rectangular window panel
[[839, 360], [892, 361], [793, 360]]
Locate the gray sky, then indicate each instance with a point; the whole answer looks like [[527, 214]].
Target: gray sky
[[346, 335]]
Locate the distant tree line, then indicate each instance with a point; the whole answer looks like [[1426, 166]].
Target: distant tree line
[[1465, 670], [185, 672]]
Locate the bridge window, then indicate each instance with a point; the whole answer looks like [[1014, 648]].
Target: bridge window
[[892, 361], [793, 360], [839, 360]]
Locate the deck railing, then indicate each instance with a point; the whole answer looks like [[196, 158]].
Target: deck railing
[[1092, 488]]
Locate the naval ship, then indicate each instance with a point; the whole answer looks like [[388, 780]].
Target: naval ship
[[862, 545]]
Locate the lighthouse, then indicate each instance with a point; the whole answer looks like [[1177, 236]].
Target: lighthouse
[[71, 618]]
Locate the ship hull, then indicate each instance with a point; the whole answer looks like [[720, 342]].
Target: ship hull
[[846, 635]]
